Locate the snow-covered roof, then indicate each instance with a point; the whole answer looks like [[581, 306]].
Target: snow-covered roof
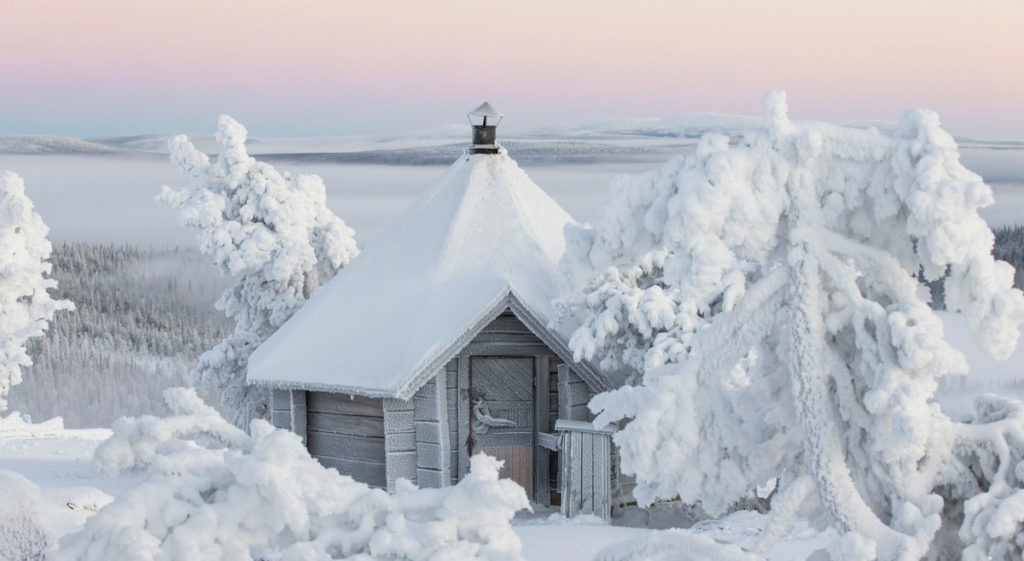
[[486, 110], [483, 239]]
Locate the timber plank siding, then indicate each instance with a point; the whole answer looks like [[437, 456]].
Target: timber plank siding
[[347, 433], [400, 441], [431, 417]]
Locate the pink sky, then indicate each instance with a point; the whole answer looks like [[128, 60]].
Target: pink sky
[[312, 67]]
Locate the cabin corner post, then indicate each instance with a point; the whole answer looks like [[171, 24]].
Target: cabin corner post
[[297, 403], [283, 412], [399, 441], [433, 451], [542, 424], [463, 414]]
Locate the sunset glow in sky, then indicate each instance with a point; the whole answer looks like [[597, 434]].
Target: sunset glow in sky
[[323, 67]]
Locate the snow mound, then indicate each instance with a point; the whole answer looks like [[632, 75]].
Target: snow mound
[[24, 536], [17, 425], [211, 492]]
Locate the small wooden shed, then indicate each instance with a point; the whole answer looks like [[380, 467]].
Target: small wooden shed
[[439, 341]]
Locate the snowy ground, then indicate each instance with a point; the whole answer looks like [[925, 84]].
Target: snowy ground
[[58, 461]]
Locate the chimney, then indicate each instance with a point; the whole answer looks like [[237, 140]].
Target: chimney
[[484, 119]]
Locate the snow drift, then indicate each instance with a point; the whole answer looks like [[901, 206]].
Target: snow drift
[[211, 492], [24, 534]]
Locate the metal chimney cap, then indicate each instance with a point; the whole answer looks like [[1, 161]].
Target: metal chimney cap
[[486, 110]]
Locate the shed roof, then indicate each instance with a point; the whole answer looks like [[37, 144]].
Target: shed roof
[[484, 238]]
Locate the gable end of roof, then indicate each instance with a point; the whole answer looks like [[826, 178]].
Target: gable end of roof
[[428, 371], [593, 377]]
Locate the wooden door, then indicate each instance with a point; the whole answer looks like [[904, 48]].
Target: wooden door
[[501, 415]]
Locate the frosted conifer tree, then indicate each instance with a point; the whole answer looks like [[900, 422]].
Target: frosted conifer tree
[[273, 232], [26, 306], [768, 291]]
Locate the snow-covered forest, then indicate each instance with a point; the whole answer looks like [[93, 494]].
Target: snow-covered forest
[[142, 318]]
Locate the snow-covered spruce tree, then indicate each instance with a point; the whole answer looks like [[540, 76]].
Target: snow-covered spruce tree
[[768, 291], [211, 492], [273, 232], [26, 306]]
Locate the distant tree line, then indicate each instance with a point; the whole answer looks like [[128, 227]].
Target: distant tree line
[[1009, 247], [143, 318]]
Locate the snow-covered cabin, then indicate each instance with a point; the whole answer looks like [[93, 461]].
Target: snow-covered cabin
[[437, 342]]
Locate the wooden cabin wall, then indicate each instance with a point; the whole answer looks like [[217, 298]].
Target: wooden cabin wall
[[573, 396], [281, 409], [347, 433], [399, 441], [430, 414]]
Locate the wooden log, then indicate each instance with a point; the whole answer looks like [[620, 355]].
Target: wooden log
[[428, 431], [506, 349], [573, 395], [399, 441], [354, 425], [463, 406], [281, 419], [371, 473], [542, 420], [429, 455], [400, 421], [345, 446], [587, 479], [279, 400], [429, 478], [431, 414], [507, 322], [297, 401], [325, 402], [508, 338]]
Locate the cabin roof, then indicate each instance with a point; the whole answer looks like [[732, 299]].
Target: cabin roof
[[483, 239]]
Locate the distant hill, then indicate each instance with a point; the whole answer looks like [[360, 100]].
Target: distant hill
[[41, 144], [152, 142], [686, 125]]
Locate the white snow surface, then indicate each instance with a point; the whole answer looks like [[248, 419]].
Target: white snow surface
[[483, 232], [57, 461]]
